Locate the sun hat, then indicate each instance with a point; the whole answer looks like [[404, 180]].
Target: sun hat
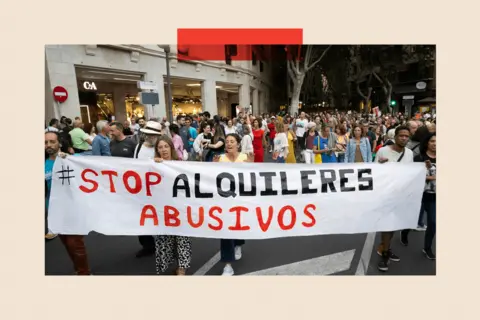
[[152, 127]]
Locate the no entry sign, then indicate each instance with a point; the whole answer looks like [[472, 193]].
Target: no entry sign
[[60, 94]]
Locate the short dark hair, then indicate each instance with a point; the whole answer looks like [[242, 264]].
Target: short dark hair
[[118, 125], [174, 128], [207, 114], [401, 128], [180, 117], [53, 122]]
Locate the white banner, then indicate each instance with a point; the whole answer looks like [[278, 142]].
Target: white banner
[[118, 196]]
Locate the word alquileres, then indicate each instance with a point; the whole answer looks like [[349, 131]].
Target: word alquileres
[[222, 200]]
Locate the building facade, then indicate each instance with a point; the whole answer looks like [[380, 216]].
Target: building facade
[[101, 81]]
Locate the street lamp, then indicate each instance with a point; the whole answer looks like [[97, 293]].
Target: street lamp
[[166, 48]]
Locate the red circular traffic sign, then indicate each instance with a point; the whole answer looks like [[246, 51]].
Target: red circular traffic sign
[[60, 94]]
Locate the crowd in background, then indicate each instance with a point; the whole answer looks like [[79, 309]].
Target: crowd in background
[[312, 138]]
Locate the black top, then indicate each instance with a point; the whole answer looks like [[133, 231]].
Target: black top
[[124, 148], [221, 149], [430, 190]]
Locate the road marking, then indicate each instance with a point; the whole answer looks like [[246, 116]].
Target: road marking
[[207, 266], [320, 266], [366, 255]]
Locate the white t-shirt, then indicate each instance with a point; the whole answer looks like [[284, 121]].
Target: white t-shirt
[[281, 144], [301, 127], [247, 144], [393, 156], [146, 153], [230, 130]]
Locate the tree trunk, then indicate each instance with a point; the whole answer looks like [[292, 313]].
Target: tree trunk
[[297, 88]]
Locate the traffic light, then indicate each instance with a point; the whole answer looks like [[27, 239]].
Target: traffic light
[[393, 103]]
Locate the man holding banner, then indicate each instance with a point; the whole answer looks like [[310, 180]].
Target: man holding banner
[[73, 243], [396, 152]]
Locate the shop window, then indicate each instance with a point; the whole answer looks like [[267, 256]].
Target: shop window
[[254, 58]]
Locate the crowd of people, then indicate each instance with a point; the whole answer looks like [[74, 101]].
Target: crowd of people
[[312, 138]]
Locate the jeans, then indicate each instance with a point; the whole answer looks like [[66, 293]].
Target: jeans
[[227, 249], [431, 209], [420, 217], [341, 157], [280, 160]]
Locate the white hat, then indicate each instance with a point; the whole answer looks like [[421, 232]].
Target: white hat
[[311, 125], [152, 127]]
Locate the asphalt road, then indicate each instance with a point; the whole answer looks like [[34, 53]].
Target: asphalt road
[[314, 255]]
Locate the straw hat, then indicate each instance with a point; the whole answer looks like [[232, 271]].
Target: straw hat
[[152, 127]]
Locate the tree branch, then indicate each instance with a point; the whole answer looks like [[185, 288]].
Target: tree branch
[[291, 73], [308, 56], [360, 92], [319, 59], [378, 78]]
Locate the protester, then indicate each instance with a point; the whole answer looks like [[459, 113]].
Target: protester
[[396, 152], [428, 154], [74, 244], [121, 146], [301, 126], [53, 126], [231, 249], [170, 249], [81, 140], [324, 144], [291, 143], [280, 143], [247, 139], [146, 150], [259, 142], [342, 140], [101, 142], [217, 145], [309, 139], [177, 140], [358, 148]]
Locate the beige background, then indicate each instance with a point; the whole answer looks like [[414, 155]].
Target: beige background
[[26, 26]]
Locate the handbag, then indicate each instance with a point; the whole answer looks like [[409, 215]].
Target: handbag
[[318, 156], [185, 155]]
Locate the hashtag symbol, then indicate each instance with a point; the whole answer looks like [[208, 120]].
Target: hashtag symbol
[[67, 176]]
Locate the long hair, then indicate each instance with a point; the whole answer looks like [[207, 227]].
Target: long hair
[[169, 141], [219, 133], [425, 141], [279, 126]]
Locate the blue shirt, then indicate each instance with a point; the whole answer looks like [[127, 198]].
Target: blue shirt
[[326, 158], [193, 135], [101, 146], [48, 178]]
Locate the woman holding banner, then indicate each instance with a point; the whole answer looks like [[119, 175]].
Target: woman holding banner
[[170, 248], [230, 249]]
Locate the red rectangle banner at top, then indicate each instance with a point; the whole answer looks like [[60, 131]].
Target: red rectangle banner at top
[[232, 44]]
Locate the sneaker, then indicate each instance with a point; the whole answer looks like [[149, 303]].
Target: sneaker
[[50, 235], [404, 238], [238, 252], [429, 254], [228, 271], [421, 228], [392, 256], [383, 266]]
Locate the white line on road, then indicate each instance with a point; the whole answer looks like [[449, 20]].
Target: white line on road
[[320, 266], [207, 266], [366, 255]]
